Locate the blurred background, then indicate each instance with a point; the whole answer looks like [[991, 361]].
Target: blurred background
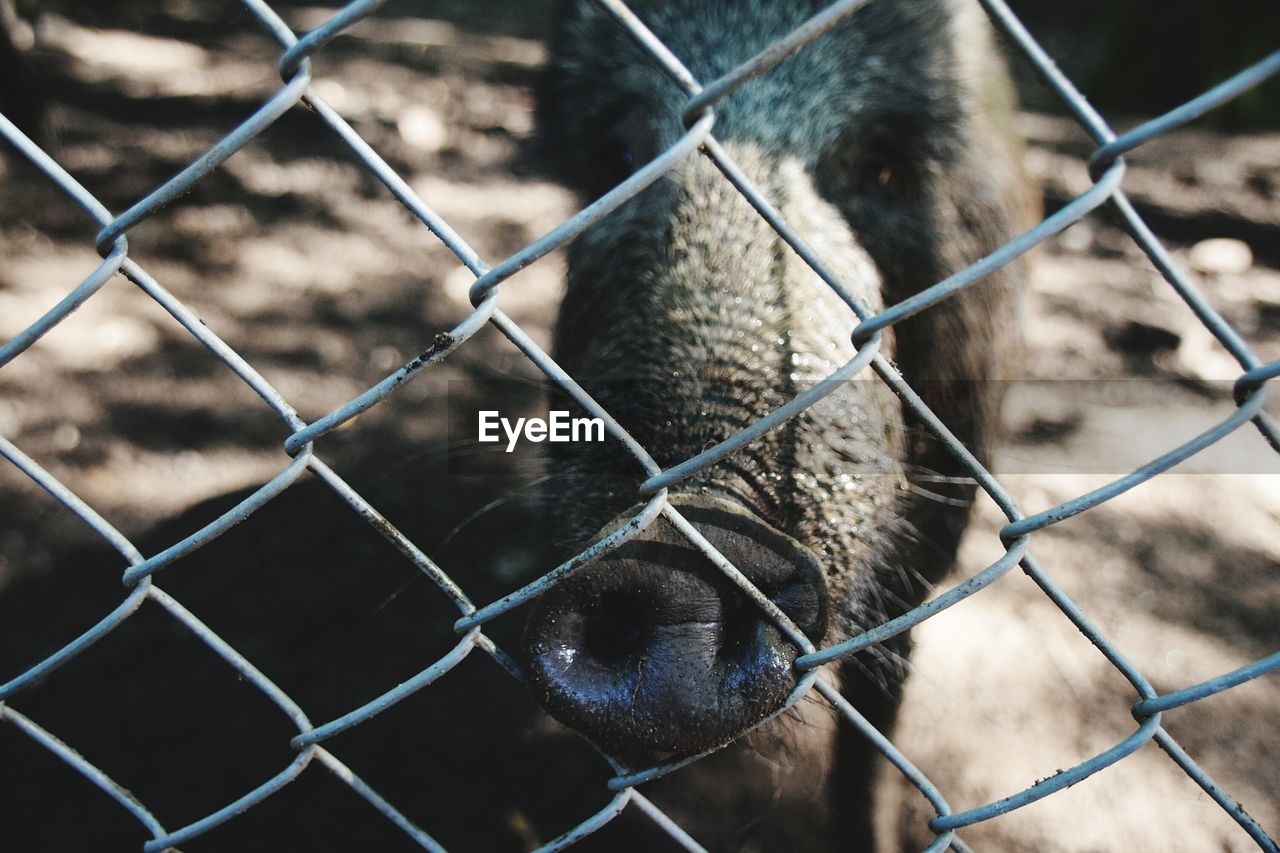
[[297, 257]]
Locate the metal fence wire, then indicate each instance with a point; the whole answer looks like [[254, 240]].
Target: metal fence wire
[[1108, 170]]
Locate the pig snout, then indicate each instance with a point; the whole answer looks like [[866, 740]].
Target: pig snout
[[654, 649]]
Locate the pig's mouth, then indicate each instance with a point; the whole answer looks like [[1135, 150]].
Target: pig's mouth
[[654, 650]]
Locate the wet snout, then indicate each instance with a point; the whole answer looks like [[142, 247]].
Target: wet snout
[[654, 649]]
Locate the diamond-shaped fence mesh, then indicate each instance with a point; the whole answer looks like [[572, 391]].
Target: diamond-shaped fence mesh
[[301, 452]]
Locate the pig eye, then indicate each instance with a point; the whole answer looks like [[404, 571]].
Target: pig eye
[[877, 173], [612, 163], [881, 171], [875, 167], [621, 159]]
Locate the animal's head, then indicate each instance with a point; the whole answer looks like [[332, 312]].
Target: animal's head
[[690, 317]]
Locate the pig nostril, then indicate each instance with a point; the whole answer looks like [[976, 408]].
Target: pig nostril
[[740, 622], [614, 629]]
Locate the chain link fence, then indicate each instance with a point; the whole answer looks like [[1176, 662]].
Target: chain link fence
[[300, 451]]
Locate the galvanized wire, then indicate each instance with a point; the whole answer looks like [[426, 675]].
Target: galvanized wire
[[298, 453]]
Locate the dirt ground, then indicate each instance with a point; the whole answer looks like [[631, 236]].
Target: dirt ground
[[299, 259]]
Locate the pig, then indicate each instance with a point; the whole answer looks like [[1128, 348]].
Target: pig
[[887, 144]]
